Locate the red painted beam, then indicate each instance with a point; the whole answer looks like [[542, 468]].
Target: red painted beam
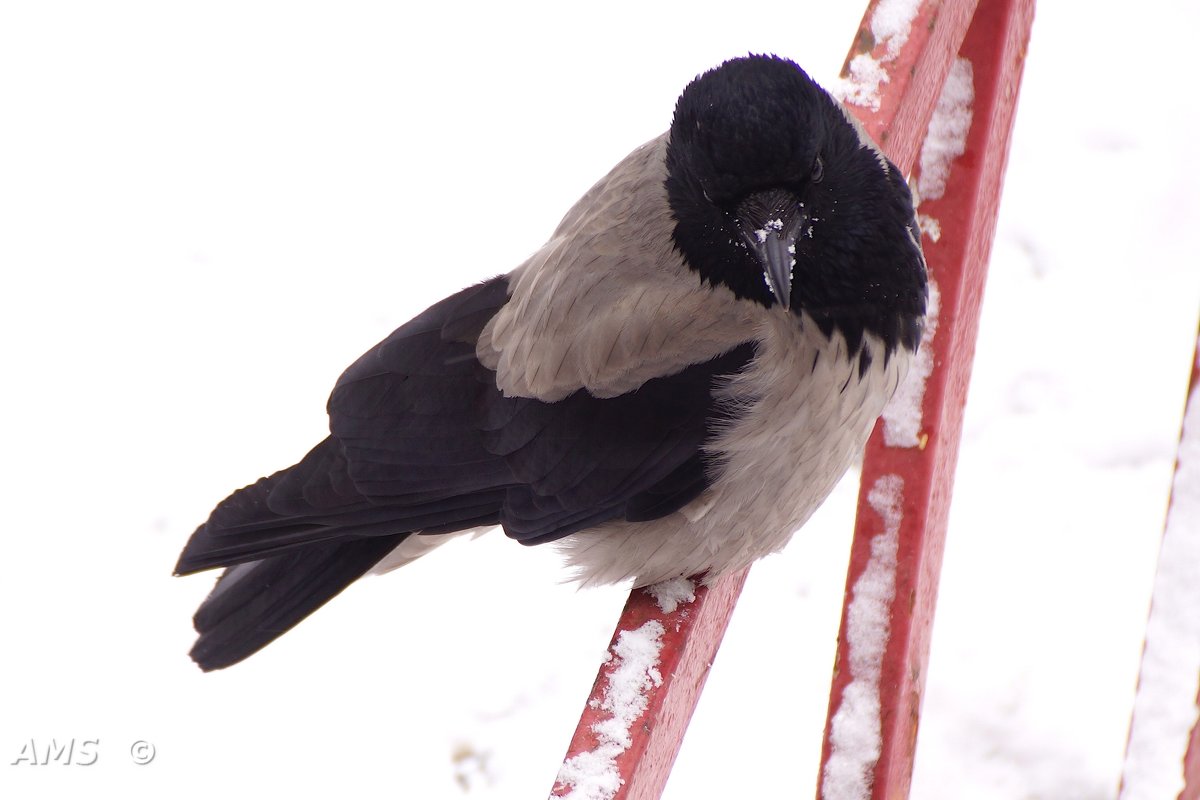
[[1191, 764], [601, 761], [891, 588], [1162, 757]]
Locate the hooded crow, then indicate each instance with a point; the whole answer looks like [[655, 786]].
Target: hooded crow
[[669, 387]]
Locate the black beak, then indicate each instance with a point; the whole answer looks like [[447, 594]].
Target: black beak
[[770, 223]]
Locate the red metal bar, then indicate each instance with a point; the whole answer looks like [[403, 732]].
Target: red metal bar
[[905, 493], [1162, 757], [690, 636], [1191, 763]]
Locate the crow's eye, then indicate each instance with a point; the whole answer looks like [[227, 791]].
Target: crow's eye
[[818, 170]]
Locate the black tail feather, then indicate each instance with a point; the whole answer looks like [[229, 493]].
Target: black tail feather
[[313, 502], [254, 603]]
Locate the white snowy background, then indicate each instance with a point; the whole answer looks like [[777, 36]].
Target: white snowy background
[[207, 210]]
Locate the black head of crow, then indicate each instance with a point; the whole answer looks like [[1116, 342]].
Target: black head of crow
[[669, 387]]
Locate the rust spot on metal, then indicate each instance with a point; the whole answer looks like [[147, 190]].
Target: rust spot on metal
[[864, 42], [914, 720]]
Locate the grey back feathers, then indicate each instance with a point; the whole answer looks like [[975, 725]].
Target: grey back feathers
[[608, 303]]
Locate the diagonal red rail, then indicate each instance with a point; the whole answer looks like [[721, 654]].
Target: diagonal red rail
[[1162, 757], [633, 724], [908, 469]]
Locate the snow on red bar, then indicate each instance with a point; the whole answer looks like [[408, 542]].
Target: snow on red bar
[[894, 72], [1162, 758], [891, 588], [647, 689]]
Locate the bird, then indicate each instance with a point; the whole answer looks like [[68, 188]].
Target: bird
[[668, 388]]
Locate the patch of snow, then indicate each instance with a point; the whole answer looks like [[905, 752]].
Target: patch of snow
[[860, 86], [765, 231], [946, 138], [669, 595], [1165, 710], [855, 739], [890, 25], [770, 287], [930, 226], [593, 775], [892, 22], [903, 416]]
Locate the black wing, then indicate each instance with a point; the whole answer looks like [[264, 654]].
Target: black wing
[[423, 441], [420, 421]]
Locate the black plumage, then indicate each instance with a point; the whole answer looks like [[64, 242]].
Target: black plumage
[[422, 440]]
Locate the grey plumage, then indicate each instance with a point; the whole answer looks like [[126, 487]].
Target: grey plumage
[[607, 306], [608, 302]]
